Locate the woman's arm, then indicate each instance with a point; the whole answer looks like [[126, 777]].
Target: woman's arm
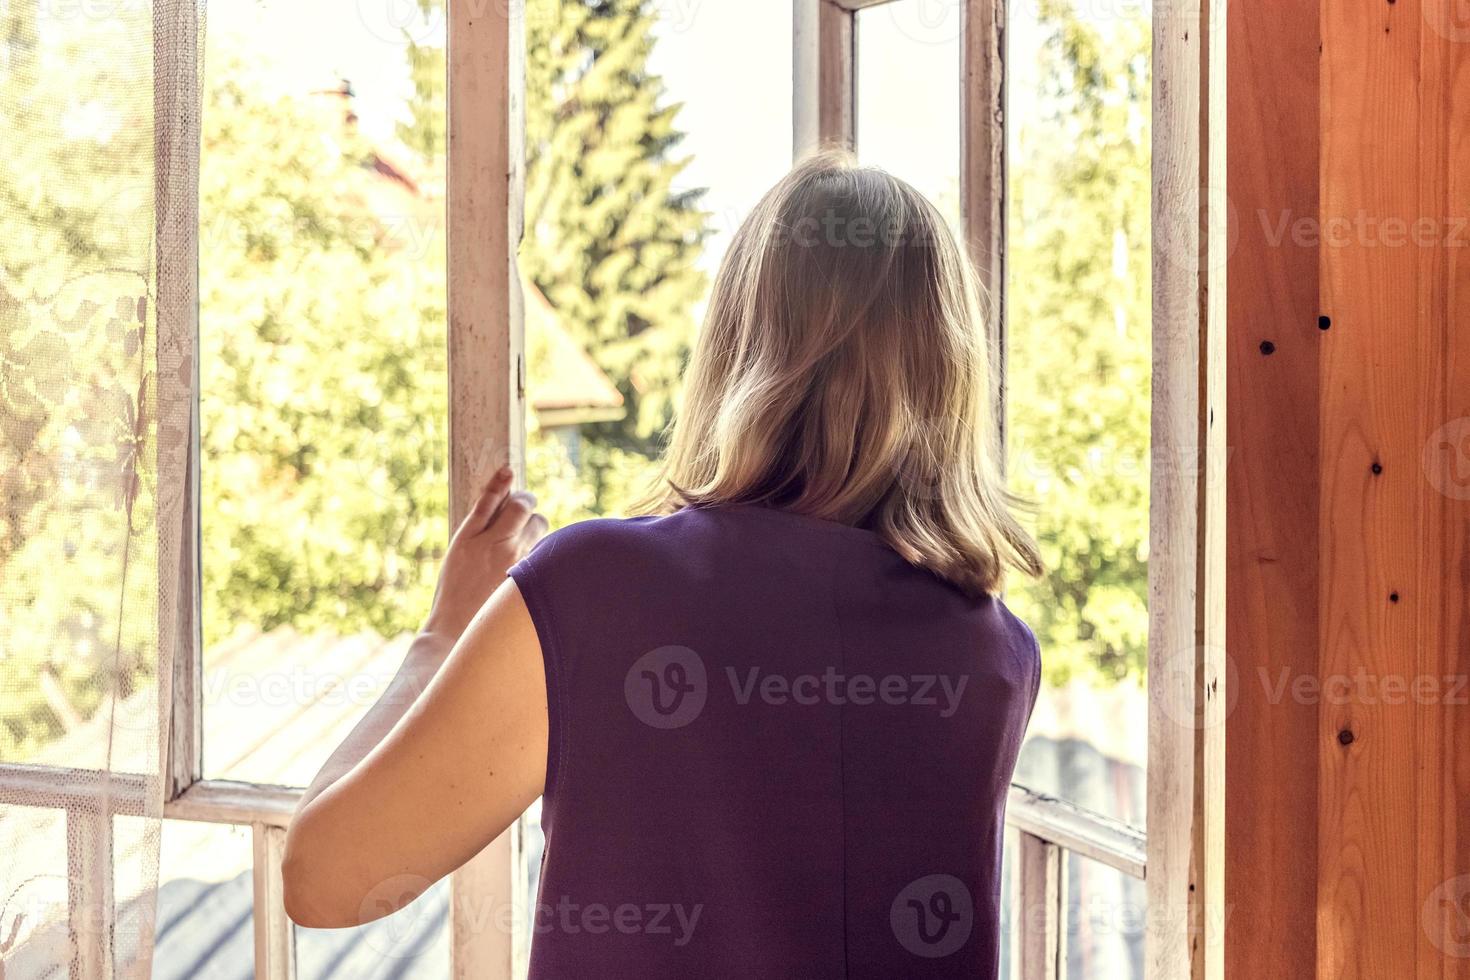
[[450, 755]]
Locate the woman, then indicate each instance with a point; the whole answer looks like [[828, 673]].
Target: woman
[[774, 727]]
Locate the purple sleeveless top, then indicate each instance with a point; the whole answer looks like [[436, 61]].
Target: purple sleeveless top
[[777, 750]]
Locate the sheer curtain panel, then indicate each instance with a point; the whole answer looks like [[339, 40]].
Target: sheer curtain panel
[[99, 123]]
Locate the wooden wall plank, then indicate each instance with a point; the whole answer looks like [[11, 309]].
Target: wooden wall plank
[[1441, 603], [1452, 877], [1350, 490], [1426, 598], [1272, 488], [1371, 488], [486, 68]]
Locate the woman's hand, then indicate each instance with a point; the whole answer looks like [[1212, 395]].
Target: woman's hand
[[460, 734], [501, 527]]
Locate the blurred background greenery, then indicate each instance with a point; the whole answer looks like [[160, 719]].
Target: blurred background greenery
[[323, 382]]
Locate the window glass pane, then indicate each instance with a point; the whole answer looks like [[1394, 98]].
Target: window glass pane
[[1078, 304], [34, 914], [908, 96], [1106, 916], [78, 534], [626, 223], [206, 902], [54, 860], [323, 386]]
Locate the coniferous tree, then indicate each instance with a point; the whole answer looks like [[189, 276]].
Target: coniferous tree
[[608, 239], [611, 243]]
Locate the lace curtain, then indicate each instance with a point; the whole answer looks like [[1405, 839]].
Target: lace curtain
[[99, 117]]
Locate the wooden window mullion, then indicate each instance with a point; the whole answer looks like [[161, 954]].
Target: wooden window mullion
[[824, 82], [1186, 659], [486, 67], [275, 936], [983, 175]]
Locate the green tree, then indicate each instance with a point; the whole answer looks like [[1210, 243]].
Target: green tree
[[78, 561], [1079, 305], [611, 243], [323, 383], [426, 129], [608, 240]]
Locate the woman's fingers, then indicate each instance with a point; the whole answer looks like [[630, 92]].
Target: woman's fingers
[[510, 520], [505, 514], [490, 500], [535, 530]]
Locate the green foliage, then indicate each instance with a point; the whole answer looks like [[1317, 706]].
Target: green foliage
[[78, 563], [609, 241], [323, 384], [1080, 377], [427, 131], [611, 244], [324, 434], [323, 387]]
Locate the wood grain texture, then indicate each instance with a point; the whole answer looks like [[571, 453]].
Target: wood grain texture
[[275, 944], [1186, 672], [1442, 609], [486, 67], [1272, 489], [983, 173], [1350, 491], [1371, 489]]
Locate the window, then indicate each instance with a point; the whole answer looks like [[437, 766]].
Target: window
[[618, 262], [205, 901], [1078, 312], [343, 396], [908, 96], [324, 488]]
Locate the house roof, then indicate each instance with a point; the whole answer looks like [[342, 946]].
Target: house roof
[[564, 384]]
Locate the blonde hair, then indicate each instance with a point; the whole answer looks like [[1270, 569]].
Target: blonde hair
[[843, 373]]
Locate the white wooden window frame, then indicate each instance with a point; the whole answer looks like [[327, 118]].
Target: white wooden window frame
[[1181, 858]]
